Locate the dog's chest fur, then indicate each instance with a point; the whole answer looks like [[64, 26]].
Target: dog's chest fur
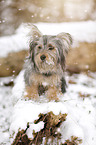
[[40, 79]]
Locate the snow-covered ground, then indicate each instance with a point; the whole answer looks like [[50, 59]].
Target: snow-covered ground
[[81, 31], [79, 102], [5, 110]]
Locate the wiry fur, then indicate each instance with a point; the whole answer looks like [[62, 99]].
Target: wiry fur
[[44, 69]]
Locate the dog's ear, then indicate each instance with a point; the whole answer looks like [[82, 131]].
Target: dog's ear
[[35, 33], [67, 41]]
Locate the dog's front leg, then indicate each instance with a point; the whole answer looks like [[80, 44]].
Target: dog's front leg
[[63, 85], [52, 93], [32, 92]]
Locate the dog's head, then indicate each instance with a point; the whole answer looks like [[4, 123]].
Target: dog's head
[[46, 51]]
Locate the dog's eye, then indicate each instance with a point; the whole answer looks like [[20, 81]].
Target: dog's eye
[[50, 47], [39, 47]]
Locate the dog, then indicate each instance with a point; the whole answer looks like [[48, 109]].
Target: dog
[[45, 65]]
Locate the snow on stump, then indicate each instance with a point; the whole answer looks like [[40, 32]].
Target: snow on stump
[[43, 123], [51, 124]]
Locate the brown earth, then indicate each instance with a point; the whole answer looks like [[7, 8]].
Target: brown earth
[[82, 58], [12, 64], [79, 59]]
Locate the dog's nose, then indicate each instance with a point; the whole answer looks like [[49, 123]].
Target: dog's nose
[[42, 57]]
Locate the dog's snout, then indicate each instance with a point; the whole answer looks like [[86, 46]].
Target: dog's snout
[[42, 57]]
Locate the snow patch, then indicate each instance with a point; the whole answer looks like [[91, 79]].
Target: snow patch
[[35, 127], [79, 30], [81, 112], [49, 62]]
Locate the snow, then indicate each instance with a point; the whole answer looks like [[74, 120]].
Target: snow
[[49, 62], [5, 110], [37, 127], [14, 43], [81, 31], [81, 112], [17, 92]]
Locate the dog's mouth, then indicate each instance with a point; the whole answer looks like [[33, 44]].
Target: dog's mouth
[[47, 74], [46, 68], [46, 64]]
